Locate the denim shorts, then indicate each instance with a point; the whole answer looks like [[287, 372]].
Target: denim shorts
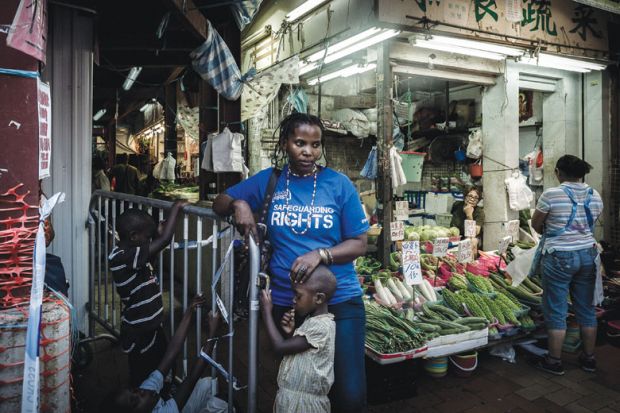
[[567, 272]]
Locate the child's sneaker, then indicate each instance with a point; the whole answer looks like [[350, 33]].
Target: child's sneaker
[[587, 363], [553, 368]]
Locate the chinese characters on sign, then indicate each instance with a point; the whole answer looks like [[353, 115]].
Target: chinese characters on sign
[[440, 247], [456, 11], [583, 22], [411, 262], [45, 129], [397, 231], [465, 252], [511, 229], [538, 12], [470, 228], [503, 245], [484, 7], [401, 212]]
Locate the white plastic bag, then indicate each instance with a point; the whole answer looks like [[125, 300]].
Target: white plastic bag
[[599, 294], [474, 148], [505, 351], [519, 268], [520, 196]]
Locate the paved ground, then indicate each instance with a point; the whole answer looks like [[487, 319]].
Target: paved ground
[[496, 386]]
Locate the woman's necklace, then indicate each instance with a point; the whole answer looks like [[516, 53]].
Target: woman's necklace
[[290, 195]]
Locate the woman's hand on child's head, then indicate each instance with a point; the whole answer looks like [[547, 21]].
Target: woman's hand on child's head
[[288, 322], [265, 300], [304, 265], [198, 301]]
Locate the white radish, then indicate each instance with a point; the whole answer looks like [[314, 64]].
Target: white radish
[[381, 291], [394, 290], [404, 292]]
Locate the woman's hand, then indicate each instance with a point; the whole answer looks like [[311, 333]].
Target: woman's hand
[[304, 265], [468, 209], [288, 322], [244, 219]]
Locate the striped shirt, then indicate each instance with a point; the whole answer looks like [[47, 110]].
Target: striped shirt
[[558, 206], [140, 294]]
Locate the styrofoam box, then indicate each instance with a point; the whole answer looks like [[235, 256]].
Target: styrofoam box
[[438, 203], [456, 338], [456, 348], [384, 359]]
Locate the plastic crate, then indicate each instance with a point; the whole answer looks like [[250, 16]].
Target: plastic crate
[[443, 220]]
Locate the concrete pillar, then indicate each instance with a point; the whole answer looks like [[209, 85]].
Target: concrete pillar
[[597, 148], [500, 137]]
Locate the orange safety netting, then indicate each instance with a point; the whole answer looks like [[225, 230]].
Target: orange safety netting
[[55, 358], [18, 229]]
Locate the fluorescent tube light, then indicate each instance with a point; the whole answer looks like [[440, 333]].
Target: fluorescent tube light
[[131, 77], [344, 72], [563, 63], [477, 45], [99, 114], [305, 8], [348, 46], [465, 47]]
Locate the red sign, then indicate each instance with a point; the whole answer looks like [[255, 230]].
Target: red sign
[[28, 33]]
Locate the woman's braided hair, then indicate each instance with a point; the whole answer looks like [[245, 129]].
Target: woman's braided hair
[[287, 129]]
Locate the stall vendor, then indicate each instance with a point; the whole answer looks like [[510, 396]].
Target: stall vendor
[[468, 209]]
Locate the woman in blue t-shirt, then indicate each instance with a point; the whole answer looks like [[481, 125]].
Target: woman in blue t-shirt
[[315, 217]]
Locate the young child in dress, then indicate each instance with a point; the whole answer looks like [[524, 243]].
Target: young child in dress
[[142, 335], [307, 370]]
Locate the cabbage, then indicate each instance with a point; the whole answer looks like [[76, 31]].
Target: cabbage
[[455, 232], [409, 230], [413, 236], [424, 235]]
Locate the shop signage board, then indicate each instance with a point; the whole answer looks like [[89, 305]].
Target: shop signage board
[[440, 247], [560, 22], [401, 213], [503, 245], [397, 231], [470, 228], [411, 262], [465, 253], [44, 101], [607, 5]]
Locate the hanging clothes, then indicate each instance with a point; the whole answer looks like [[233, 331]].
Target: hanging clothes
[[214, 62], [227, 154], [207, 153], [370, 167]]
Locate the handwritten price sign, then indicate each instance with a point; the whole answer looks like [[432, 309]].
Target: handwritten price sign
[[397, 231], [440, 247], [470, 228], [465, 253], [503, 245], [411, 262], [401, 212]]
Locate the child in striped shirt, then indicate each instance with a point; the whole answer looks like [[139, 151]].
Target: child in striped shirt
[[307, 370], [142, 335]]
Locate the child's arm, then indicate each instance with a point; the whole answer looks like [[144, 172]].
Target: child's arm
[[176, 344], [187, 387], [158, 244], [282, 346]]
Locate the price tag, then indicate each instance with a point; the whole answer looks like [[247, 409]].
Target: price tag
[[511, 229], [503, 245], [397, 231], [411, 262], [401, 212], [440, 247], [470, 228], [465, 253]]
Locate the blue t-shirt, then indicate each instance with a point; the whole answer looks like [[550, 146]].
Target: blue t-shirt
[[337, 215]]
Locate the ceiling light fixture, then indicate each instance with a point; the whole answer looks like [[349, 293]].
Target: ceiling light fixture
[[131, 77], [99, 114], [344, 72], [348, 46], [305, 8], [563, 63], [465, 47]]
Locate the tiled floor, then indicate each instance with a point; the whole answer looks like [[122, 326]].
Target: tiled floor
[[496, 386]]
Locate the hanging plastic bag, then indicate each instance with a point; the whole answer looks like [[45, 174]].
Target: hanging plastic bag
[[520, 196], [370, 167], [474, 148], [519, 268], [505, 351], [599, 294]]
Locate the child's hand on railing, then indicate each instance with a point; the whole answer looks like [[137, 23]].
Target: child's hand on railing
[[214, 324]]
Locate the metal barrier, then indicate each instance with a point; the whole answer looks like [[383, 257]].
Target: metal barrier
[[104, 307]]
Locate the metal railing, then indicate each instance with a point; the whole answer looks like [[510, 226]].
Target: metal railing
[[104, 306]]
